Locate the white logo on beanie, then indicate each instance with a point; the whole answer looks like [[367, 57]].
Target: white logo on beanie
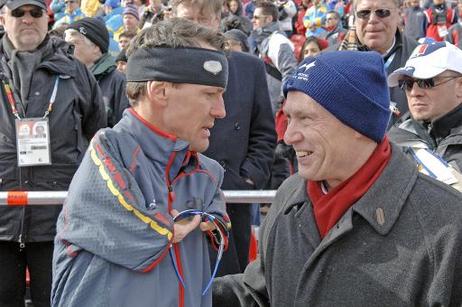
[[83, 30], [308, 66], [213, 67]]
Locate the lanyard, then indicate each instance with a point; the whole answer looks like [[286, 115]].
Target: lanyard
[[220, 236], [389, 60], [422, 164], [12, 102]]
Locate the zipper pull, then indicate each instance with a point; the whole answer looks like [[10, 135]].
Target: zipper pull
[[22, 244]]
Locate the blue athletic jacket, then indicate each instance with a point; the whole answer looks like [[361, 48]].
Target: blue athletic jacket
[[115, 233]]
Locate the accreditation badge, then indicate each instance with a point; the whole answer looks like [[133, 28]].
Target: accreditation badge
[[33, 141], [442, 30]]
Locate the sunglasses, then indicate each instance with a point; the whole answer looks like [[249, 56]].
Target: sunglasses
[[408, 84], [35, 12], [366, 14], [69, 1]]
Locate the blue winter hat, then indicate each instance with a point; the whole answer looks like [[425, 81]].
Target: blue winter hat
[[112, 3], [352, 85]]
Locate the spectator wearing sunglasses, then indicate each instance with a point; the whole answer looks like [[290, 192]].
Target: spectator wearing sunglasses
[[334, 27], [274, 48], [432, 81], [72, 13], [376, 28], [39, 78]]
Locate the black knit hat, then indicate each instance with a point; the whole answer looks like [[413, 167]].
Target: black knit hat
[[95, 30]]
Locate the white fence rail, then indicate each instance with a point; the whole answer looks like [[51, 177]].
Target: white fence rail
[[22, 198]]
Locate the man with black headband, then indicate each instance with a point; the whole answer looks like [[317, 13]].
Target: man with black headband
[[142, 205], [43, 87]]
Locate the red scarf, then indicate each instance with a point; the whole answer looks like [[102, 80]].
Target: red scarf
[[329, 208]]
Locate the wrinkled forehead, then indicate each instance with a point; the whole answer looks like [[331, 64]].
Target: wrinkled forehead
[[362, 4]]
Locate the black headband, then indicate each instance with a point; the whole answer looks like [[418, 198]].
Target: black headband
[[178, 65]]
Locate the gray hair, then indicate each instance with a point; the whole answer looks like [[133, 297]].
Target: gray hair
[[74, 32]]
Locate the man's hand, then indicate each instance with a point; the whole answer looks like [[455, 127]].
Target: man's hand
[[185, 226], [182, 228], [207, 226]]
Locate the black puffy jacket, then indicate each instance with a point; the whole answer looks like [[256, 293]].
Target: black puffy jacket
[[78, 112]]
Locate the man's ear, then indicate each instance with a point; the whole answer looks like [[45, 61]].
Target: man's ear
[[157, 92]]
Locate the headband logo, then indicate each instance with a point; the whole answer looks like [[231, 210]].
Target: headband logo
[[213, 67], [83, 30]]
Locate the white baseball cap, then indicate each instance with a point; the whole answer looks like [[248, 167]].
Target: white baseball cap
[[429, 60]]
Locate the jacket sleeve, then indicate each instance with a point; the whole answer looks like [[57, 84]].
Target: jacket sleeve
[[246, 290], [250, 289], [262, 134], [445, 254], [91, 103], [105, 214], [215, 205], [215, 200]]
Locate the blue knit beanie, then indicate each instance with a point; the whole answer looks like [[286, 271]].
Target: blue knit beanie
[[352, 85]]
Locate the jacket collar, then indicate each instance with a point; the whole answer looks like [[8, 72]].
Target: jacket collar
[[432, 133], [56, 56], [105, 65], [299, 195], [378, 207], [265, 32], [158, 146], [448, 124], [60, 61]]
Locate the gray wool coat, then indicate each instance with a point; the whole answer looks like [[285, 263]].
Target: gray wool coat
[[399, 245]]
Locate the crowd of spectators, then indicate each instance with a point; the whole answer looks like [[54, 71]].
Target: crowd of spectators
[[318, 23]]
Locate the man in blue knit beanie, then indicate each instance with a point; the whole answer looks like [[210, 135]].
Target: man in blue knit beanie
[[358, 225]]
